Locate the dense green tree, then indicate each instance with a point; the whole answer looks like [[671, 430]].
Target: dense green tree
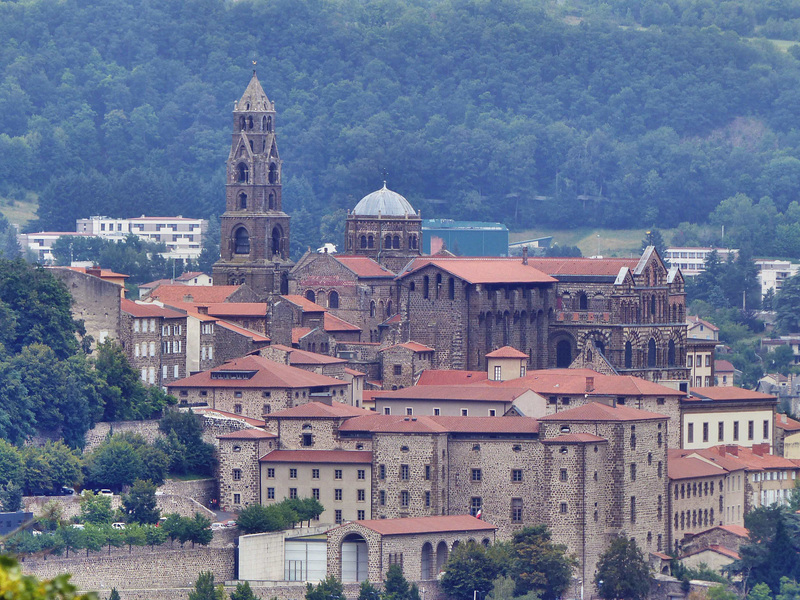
[[114, 595], [113, 464], [15, 584], [10, 497], [155, 536], [790, 590], [622, 571], [139, 504], [760, 591], [10, 462], [469, 568], [243, 591], [204, 588], [49, 467], [184, 444], [367, 591], [257, 518], [329, 588], [397, 587], [134, 535], [96, 509], [787, 305], [539, 564]]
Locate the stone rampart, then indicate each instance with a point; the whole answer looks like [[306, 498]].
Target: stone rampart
[[95, 436]]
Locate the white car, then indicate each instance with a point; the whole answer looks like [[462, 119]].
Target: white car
[[118, 525], [105, 492]]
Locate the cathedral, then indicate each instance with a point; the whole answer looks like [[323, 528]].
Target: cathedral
[[613, 315]]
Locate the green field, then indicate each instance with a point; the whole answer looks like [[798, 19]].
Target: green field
[[611, 242], [19, 212]]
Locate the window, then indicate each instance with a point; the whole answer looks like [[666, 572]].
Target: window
[[237, 408], [292, 492], [516, 510], [404, 499], [337, 474], [475, 505], [315, 493], [427, 472], [437, 412], [381, 471], [736, 431], [404, 472], [164, 372], [660, 469], [705, 432], [464, 412], [497, 372], [409, 411], [292, 473], [270, 493], [338, 514], [708, 360], [175, 371], [516, 475], [382, 498], [633, 509], [362, 474], [720, 431], [476, 474], [361, 515], [270, 473], [563, 475], [237, 474], [633, 471], [337, 494], [690, 433], [427, 499], [237, 498], [766, 429], [750, 430], [387, 410], [398, 369], [563, 508], [308, 439], [361, 495]]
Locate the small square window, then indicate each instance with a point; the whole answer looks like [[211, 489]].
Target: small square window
[[314, 473], [237, 408], [516, 475], [362, 515], [337, 474], [398, 369], [476, 475], [362, 474], [237, 498], [271, 473], [337, 494], [563, 508], [292, 473], [237, 394], [237, 474], [270, 493], [464, 412], [292, 493]]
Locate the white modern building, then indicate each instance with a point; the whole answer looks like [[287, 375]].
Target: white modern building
[[41, 243], [772, 273], [692, 260]]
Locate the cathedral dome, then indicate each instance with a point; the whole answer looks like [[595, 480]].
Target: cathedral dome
[[384, 202]]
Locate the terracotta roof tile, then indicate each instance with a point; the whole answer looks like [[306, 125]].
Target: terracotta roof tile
[[482, 270], [260, 373], [333, 323], [200, 294], [103, 272], [303, 357], [786, 423], [148, 310], [573, 381], [254, 335], [723, 366], [609, 267], [745, 458], [695, 320], [353, 372], [376, 423], [299, 333], [413, 346], [714, 548], [418, 525], [189, 275], [727, 394], [312, 410], [319, 456], [594, 411], [451, 377], [363, 266], [466, 393], [689, 467], [304, 303], [507, 352], [736, 530]]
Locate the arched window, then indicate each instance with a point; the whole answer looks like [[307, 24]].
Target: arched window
[[269, 123], [651, 353], [451, 289], [372, 309], [438, 284], [242, 123], [370, 242], [363, 241], [425, 286], [277, 234], [563, 354], [249, 122], [333, 299], [389, 308], [583, 302], [310, 295], [242, 241], [628, 355], [653, 305], [271, 201], [273, 173], [412, 242], [387, 241], [396, 242], [263, 123], [243, 172], [242, 200], [671, 354]]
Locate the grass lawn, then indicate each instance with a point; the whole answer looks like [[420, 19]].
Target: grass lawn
[[612, 242], [19, 212]]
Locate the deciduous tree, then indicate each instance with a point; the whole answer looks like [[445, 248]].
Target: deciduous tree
[[622, 571]]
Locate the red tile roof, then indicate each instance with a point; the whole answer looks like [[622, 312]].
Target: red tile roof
[[248, 434], [353, 372], [265, 374], [481, 269], [507, 352], [320, 410], [103, 272], [189, 275], [200, 294], [609, 267], [413, 346], [467, 393], [745, 458], [304, 303], [594, 411], [575, 438], [331, 322], [230, 415], [303, 357], [786, 423], [253, 335], [736, 530], [363, 266], [299, 333], [573, 382], [724, 366], [418, 525], [690, 467], [345, 457], [727, 394], [451, 377], [237, 309], [715, 548], [694, 320], [148, 310], [153, 284], [376, 423]]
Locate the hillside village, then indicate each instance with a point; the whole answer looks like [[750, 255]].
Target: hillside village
[[431, 400]]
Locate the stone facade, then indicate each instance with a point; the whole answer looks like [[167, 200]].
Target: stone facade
[[154, 340], [402, 364], [696, 504], [238, 469]]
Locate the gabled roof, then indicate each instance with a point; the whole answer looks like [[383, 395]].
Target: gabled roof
[[456, 393], [320, 410], [303, 357], [419, 525], [715, 548], [237, 309], [481, 269], [594, 411], [331, 322], [103, 273], [254, 95], [154, 284], [413, 346], [248, 434], [786, 423], [506, 352], [363, 266], [689, 467], [451, 377], [606, 267], [342, 457], [189, 275], [304, 303], [727, 394], [148, 310], [200, 294], [354, 373], [547, 382], [648, 252], [253, 335], [298, 333], [739, 457], [693, 321], [256, 372], [736, 530]]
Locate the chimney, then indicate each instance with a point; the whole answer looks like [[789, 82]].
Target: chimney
[[589, 384], [95, 270], [784, 420], [721, 450], [188, 298], [524, 255], [203, 310], [732, 449], [760, 449]]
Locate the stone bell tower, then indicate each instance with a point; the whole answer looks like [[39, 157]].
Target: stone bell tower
[[254, 240]]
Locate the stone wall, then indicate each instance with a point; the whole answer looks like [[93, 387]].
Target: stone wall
[[97, 434]]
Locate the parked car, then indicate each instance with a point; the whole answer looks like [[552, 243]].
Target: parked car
[[105, 492], [230, 524], [67, 491], [78, 525], [217, 526], [118, 525]]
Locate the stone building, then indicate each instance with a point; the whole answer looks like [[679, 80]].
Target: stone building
[[255, 230], [239, 471], [154, 340], [384, 227], [401, 364]]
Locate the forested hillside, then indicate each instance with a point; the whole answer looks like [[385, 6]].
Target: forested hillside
[[512, 110]]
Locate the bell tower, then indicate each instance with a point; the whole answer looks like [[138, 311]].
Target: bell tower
[[254, 244]]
